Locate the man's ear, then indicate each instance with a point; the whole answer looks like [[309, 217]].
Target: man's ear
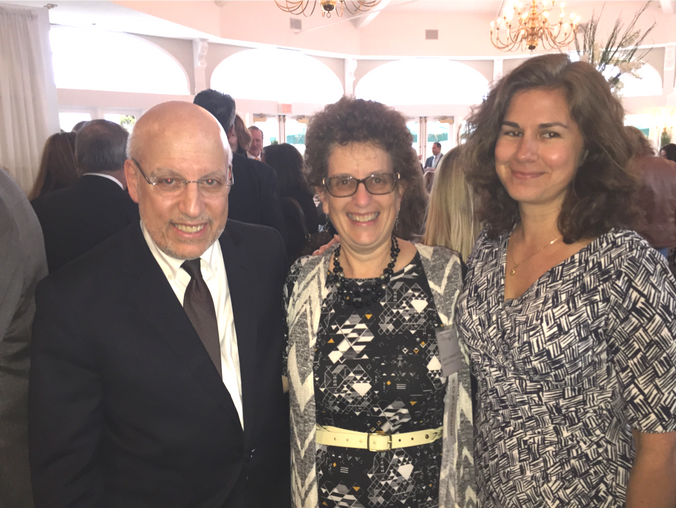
[[131, 173]]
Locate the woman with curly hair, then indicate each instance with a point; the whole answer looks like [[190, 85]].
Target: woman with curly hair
[[568, 314], [379, 389]]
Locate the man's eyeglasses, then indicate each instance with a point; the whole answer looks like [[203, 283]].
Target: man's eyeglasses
[[346, 186], [171, 185]]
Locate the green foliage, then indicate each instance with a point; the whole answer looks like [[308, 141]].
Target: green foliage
[[665, 137]]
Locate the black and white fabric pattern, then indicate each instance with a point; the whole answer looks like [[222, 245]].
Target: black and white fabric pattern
[[377, 369], [567, 370]]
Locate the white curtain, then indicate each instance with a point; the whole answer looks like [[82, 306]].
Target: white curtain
[[28, 101]]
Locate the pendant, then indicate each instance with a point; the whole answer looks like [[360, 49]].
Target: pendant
[[513, 271]]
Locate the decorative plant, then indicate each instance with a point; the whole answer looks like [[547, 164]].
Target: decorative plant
[[128, 122], [665, 137], [620, 54]]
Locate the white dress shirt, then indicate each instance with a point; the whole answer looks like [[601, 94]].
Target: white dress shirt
[[106, 176], [213, 272], [253, 156]]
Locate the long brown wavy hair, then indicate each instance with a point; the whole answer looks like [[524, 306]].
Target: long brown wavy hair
[[601, 195]]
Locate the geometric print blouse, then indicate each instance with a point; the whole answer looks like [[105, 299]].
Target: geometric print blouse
[[567, 370]]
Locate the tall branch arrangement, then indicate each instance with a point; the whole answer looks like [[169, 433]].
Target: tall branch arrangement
[[621, 53]]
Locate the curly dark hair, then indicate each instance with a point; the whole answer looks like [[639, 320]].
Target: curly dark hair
[[601, 196], [358, 121]]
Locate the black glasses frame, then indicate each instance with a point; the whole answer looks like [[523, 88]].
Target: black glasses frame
[[326, 183]]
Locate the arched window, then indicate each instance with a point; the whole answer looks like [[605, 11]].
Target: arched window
[[423, 81], [276, 75], [87, 59]]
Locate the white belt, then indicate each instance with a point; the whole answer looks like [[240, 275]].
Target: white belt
[[333, 436]]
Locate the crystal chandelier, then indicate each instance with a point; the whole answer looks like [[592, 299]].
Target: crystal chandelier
[[307, 7], [532, 26]]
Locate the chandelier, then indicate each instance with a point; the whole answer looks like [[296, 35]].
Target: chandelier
[[532, 26], [307, 7]]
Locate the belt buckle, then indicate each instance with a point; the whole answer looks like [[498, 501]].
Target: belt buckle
[[379, 448]]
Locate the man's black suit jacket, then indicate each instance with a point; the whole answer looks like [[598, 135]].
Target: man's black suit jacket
[[430, 161], [126, 409], [77, 218], [254, 197]]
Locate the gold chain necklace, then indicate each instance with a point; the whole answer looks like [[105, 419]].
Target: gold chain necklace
[[513, 270]]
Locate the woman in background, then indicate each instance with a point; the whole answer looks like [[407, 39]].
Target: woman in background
[[377, 421], [58, 168], [569, 316], [451, 217], [240, 137], [300, 213]]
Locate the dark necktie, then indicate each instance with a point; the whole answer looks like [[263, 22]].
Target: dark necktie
[[199, 307]]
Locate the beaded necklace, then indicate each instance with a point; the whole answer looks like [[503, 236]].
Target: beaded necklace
[[368, 293]]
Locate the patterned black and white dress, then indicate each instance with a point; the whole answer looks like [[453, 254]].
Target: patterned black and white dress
[[567, 370], [377, 369]]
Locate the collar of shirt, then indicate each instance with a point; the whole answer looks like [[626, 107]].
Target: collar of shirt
[[171, 266], [106, 176]]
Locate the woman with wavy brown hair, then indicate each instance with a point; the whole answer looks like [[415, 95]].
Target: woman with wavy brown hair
[[568, 314]]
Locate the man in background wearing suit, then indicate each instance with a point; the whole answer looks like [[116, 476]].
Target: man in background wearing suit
[[255, 198], [432, 162], [77, 218], [156, 376], [256, 149], [22, 265]]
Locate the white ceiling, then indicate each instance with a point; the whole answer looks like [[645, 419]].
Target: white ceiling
[[111, 16]]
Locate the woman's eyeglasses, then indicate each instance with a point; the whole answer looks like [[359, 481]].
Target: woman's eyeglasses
[[346, 186]]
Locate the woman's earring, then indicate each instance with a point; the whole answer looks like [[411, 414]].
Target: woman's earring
[[396, 223]]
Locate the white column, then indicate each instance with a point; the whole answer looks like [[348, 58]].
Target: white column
[[199, 56], [350, 68], [282, 128], [422, 137], [497, 68], [669, 69]]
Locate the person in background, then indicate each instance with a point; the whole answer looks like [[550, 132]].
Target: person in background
[[300, 213], [76, 219], [377, 420], [428, 178], [568, 314], [253, 199], [668, 152], [451, 217], [58, 168], [22, 252], [432, 162], [255, 151], [656, 196], [239, 137]]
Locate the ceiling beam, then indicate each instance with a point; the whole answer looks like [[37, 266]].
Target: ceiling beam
[[363, 21], [668, 6]]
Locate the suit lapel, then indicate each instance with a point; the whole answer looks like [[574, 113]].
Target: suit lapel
[[155, 300], [243, 299]]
